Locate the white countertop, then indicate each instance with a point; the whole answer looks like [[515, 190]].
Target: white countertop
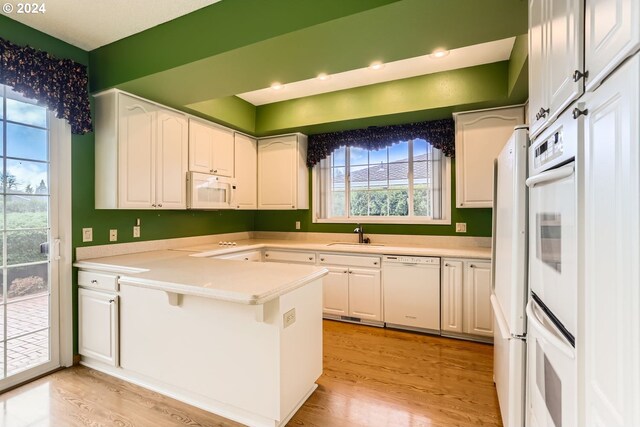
[[189, 271], [213, 249], [177, 272]]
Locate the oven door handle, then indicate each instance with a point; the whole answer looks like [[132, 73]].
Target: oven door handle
[[548, 176], [537, 324]]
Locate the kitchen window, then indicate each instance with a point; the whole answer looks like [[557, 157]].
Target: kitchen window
[[408, 182]]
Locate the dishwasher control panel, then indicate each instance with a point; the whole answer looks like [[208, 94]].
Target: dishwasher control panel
[[405, 259]]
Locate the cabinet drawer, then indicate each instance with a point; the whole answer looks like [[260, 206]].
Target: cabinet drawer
[[103, 281], [350, 260], [288, 256]]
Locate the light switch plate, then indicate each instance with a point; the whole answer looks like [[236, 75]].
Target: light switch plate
[[461, 227], [136, 231], [87, 234], [289, 318], [113, 235], [297, 225]]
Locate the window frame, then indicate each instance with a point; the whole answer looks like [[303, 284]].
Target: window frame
[[446, 191]]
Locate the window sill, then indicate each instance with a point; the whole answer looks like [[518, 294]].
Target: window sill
[[381, 220]]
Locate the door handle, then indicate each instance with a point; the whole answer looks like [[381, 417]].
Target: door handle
[[537, 324], [549, 176]]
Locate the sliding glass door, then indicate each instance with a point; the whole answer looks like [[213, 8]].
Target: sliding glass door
[[29, 332]]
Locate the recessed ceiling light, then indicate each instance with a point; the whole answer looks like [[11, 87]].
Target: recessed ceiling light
[[376, 65], [276, 86], [439, 53], [324, 76]]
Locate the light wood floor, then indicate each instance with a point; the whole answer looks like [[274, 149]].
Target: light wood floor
[[372, 377]]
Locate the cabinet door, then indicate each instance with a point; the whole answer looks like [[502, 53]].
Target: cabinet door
[[612, 33], [136, 153], [246, 170], [277, 173], [480, 137], [610, 350], [451, 303], [335, 291], [98, 326], [537, 72], [478, 316], [172, 160], [201, 141], [365, 301], [223, 148], [564, 54]]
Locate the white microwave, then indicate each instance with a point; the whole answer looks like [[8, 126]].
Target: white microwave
[[206, 191]]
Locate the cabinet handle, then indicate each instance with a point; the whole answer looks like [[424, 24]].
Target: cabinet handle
[[321, 259], [211, 170], [266, 255], [346, 271], [350, 272], [375, 263], [154, 205], [310, 258], [215, 171], [543, 112], [472, 266], [410, 317], [293, 206], [447, 265], [94, 281], [111, 301], [160, 205], [578, 112], [577, 75], [246, 259]]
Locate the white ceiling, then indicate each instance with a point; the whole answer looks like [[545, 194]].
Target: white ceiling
[[484, 53], [90, 24]]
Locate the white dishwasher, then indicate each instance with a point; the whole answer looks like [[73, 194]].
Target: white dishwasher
[[411, 292]]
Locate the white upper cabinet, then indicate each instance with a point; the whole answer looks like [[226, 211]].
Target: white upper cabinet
[[612, 33], [283, 176], [141, 154], [246, 170], [555, 59], [480, 137], [211, 148], [171, 161]]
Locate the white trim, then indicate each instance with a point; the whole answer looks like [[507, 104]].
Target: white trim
[[490, 109], [60, 137], [446, 208]]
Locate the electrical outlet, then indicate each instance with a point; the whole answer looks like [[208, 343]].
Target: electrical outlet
[[461, 227], [87, 234], [136, 231], [289, 318], [297, 225], [113, 235]]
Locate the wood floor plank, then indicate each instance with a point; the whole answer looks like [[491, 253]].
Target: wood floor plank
[[372, 378]]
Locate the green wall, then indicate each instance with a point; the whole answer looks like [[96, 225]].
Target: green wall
[[478, 221]]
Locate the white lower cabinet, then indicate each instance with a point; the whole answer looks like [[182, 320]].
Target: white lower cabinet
[[98, 325], [365, 300], [335, 293], [466, 298], [353, 287]]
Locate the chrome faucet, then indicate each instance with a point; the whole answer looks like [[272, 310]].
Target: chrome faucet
[[360, 232]]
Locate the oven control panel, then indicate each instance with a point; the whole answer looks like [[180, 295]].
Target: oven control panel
[[548, 150]]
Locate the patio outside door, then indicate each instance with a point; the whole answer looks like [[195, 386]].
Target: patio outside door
[[29, 333]]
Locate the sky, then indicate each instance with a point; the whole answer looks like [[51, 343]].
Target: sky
[[25, 142]]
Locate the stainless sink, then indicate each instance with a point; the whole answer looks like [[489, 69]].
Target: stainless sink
[[353, 244]]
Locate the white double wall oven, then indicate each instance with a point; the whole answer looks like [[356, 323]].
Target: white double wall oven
[[553, 275]]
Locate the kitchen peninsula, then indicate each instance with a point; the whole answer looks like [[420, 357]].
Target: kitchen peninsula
[[240, 340]]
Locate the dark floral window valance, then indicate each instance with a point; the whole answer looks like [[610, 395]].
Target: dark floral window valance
[[59, 84], [439, 133]]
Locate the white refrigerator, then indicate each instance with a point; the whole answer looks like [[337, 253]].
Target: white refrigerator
[[509, 294]]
